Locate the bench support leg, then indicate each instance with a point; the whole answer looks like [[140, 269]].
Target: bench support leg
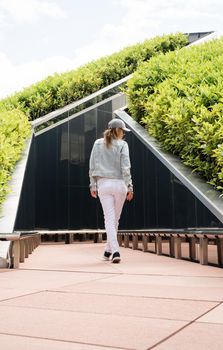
[[177, 247], [203, 250], [119, 237], [158, 245], [171, 245], [67, 238], [220, 250], [134, 242], [16, 254], [192, 248], [144, 243], [22, 251], [126, 241]]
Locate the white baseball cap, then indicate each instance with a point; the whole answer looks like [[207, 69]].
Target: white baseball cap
[[117, 123]]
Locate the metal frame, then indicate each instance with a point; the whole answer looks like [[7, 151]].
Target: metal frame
[[70, 106], [85, 110]]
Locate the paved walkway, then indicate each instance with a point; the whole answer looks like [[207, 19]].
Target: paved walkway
[[64, 297]]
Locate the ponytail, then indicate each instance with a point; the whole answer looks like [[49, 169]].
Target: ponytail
[[109, 135]]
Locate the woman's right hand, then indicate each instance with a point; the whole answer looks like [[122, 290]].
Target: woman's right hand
[[94, 194]]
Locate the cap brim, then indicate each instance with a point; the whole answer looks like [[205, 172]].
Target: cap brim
[[126, 129]]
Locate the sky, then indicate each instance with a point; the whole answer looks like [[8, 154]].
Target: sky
[[39, 38]]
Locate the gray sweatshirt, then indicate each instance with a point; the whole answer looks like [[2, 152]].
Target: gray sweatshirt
[[110, 162]]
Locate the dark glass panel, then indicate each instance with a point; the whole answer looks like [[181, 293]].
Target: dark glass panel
[[164, 196], [133, 215], [51, 178], [77, 159], [102, 119], [26, 212], [83, 209], [205, 218], [150, 190], [181, 200]]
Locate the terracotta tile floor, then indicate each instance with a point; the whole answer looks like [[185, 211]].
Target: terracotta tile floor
[[64, 297]]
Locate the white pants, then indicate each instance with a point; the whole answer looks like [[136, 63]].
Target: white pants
[[112, 194]]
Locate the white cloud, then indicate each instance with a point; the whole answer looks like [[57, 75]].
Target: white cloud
[[30, 10], [142, 19], [16, 77], [157, 6], [161, 15]]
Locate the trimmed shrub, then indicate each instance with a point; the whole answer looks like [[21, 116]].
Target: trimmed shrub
[[178, 97], [61, 89], [14, 129]]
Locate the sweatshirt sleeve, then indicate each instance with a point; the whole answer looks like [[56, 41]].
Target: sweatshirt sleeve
[[126, 167], [93, 182]]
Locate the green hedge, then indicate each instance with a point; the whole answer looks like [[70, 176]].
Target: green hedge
[[61, 89], [14, 129], [178, 97]]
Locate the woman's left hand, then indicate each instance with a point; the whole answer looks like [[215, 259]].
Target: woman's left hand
[[129, 196]]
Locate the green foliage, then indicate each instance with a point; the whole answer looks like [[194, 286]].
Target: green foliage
[[178, 97], [61, 89], [14, 129]]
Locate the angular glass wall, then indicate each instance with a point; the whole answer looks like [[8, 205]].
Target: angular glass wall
[[60, 199]]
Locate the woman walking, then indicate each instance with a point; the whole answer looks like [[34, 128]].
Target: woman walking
[[110, 179]]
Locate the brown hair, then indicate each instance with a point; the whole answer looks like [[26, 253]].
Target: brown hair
[[110, 134]]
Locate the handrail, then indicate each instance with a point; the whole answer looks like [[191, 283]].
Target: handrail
[[196, 231], [90, 98]]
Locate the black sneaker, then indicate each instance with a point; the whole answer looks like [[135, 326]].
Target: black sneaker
[[116, 258], [106, 255]]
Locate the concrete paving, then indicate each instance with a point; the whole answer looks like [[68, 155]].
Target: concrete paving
[[64, 297]]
